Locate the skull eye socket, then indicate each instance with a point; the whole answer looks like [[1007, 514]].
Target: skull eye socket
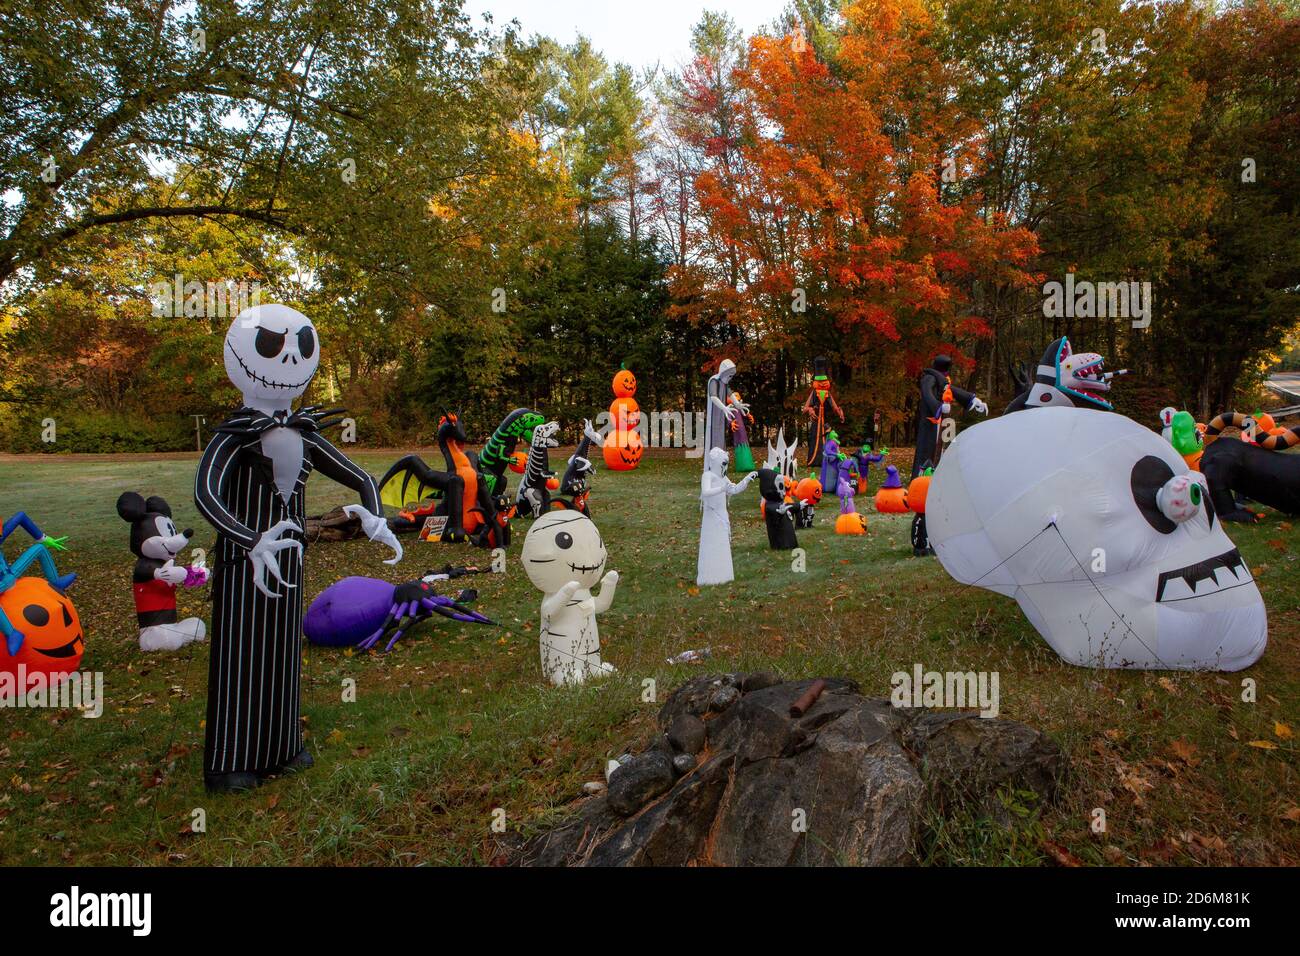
[[1148, 477], [269, 344], [306, 342]]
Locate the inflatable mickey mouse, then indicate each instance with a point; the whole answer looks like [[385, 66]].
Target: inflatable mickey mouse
[[156, 542]]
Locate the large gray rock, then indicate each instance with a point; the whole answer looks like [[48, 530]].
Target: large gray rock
[[639, 781], [851, 782]]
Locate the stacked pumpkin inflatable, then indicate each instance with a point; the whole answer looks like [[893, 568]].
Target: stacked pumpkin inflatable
[[623, 446]]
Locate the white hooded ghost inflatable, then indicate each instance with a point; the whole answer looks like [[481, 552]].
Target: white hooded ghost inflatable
[[1097, 529]]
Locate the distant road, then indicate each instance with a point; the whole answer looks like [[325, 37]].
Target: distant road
[[1286, 384]]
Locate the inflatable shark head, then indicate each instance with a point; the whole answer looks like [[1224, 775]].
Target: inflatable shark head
[[1109, 544], [1069, 378]]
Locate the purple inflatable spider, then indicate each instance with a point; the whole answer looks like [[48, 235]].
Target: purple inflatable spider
[[361, 612]]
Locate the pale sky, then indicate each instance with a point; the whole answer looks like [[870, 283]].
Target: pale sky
[[637, 32]]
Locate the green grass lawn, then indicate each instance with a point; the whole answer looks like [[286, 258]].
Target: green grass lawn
[[456, 721]]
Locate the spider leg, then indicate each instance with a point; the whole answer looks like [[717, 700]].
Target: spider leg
[[394, 613], [458, 612]]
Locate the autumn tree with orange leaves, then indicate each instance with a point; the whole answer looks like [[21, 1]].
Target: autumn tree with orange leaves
[[835, 210]]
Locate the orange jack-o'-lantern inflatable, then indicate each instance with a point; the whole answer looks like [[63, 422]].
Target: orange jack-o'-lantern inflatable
[[52, 638], [916, 493], [851, 523], [623, 446], [518, 462], [632, 449], [891, 499], [809, 491], [624, 384]]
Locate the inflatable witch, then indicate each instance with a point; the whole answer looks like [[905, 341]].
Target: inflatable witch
[[815, 406], [250, 486]]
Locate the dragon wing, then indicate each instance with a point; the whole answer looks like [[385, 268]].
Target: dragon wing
[[410, 479]]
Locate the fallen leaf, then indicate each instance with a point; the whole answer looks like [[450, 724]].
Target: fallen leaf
[[1281, 731], [1262, 744], [1060, 854], [1184, 751]]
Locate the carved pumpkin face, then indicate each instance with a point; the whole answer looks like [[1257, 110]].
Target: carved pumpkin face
[[632, 450], [52, 638], [624, 384], [809, 490], [624, 413]]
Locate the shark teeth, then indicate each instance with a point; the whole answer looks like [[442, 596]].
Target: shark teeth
[[1194, 574]]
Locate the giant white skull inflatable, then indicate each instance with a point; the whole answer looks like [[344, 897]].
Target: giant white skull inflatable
[[1095, 526], [271, 354]]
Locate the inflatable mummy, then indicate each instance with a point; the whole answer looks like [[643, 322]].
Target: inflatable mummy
[[1095, 526], [564, 557]]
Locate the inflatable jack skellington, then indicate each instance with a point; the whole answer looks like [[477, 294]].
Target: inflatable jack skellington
[[250, 486]]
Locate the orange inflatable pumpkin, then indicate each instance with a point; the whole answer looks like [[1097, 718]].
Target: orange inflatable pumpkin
[[1264, 423], [891, 499], [518, 462], [851, 523], [52, 638], [809, 490], [624, 384], [623, 446], [632, 450], [916, 493]]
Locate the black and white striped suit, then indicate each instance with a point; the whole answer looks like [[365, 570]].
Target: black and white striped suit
[[255, 665]]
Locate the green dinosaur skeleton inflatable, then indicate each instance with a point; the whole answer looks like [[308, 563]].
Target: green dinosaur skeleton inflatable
[[500, 448]]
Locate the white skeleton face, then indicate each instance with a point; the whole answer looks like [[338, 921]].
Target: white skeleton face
[[717, 461], [544, 434], [271, 354], [1094, 524], [563, 546]]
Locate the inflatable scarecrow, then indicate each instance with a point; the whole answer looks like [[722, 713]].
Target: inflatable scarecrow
[[815, 407], [1113, 549], [251, 484]]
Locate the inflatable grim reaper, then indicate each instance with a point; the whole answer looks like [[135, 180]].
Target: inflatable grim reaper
[[1111, 547]]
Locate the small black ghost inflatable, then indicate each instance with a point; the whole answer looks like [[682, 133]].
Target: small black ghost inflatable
[[777, 513]]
